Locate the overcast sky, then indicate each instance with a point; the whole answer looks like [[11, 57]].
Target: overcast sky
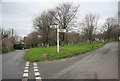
[[18, 14]]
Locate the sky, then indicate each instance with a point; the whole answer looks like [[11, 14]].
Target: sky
[[18, 14]]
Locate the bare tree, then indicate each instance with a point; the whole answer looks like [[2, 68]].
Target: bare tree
[[73, 37], [89, 26], [32, 39], [42, 24], [65, 15], [7, 40], [110, 28]]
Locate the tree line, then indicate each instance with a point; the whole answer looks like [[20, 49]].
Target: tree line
[[8, 40], [78, 30], [66, 15]]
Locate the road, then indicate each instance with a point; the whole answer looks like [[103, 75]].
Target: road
[[98, 64], [13, 64], [0, 66]]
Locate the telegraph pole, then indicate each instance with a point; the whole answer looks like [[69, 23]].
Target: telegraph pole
[[119, 13], [12, 40], [119, 20]]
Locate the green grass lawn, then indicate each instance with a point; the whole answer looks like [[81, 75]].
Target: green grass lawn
[[43, 54]]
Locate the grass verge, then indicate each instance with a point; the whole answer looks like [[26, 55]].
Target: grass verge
[[45, 54]]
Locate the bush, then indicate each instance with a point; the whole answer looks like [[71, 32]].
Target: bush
[[18, 46], [5, 50]]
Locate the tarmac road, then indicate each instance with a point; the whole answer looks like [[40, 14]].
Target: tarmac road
[[13, 64], [98, 64]]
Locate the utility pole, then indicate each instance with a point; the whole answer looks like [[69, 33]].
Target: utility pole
[[119, 13], [119, 20], [12, 40]]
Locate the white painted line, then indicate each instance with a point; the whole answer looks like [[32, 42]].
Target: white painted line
[[34, 64], [35, 70], [35, 67], [26, 67], [27, 62], [37, 74], [25, 79], [25, 75], [25, 71], [38, 78]]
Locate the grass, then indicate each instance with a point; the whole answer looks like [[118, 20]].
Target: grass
[[43, 54]]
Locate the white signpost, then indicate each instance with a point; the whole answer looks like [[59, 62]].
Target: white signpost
[[62, 30], [58, 30], [57, 39]]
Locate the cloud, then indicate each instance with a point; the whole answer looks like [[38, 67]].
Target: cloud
[[47, 1], [19, 15]]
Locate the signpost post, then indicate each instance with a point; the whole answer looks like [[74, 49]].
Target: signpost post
[[57, 39], [58, 30]]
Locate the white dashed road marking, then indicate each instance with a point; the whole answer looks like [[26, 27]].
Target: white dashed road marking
[[26, 67], [34, 64], [38, 78], [26, 70], [35, 70], [35, 67], [37, 74], [25, 75]]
